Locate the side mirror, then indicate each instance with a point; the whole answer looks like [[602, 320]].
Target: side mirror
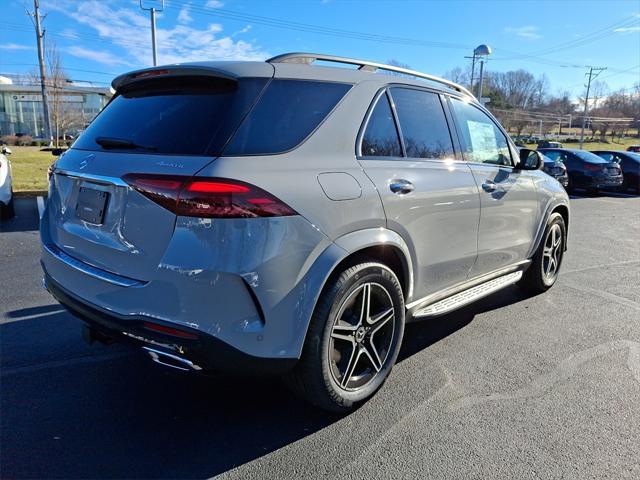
[[530, 160], [6, 151], [58, 151]]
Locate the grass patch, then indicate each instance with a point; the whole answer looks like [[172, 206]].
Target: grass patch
[[29, 167], [617, 145]]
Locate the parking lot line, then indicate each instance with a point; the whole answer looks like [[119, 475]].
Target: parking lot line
[[40, 201]]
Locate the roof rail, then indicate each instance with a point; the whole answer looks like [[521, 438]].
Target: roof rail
[[309, 58]]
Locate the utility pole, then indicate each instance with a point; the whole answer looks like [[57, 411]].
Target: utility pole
[[35, 18], [152, 11], [592, 75]]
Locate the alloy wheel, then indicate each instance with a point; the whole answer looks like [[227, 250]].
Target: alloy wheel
[[552, 253], [361, 336]]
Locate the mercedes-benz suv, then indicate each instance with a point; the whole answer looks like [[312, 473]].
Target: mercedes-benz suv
[[286, 217]]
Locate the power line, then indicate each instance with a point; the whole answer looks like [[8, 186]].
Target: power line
[[583, 40]]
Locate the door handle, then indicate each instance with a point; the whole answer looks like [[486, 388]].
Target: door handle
[[489, 186], [401, 187]]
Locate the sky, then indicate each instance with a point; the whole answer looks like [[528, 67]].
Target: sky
[[100, 39]]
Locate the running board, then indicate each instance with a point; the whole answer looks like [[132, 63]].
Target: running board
[[468, 296]]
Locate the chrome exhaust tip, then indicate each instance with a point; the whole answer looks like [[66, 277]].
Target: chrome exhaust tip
[[172, 361]]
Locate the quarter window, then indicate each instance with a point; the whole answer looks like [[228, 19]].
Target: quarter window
[[286, 114], [381, 139], [422, 122], [482, 141]]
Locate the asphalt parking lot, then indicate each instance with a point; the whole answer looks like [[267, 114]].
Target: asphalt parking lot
[[512, 387]]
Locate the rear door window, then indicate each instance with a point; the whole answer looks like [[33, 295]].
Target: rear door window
[[180, 116], [286, 114], [482, 140], [423, 124], [381, 138]]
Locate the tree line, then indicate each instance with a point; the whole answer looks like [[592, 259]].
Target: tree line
[[525, 103]]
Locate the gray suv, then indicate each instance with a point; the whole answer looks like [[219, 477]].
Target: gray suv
[[285, 217]]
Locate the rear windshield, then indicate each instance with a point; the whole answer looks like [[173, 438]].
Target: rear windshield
[[287, 113], [588, 157], [185, 116]]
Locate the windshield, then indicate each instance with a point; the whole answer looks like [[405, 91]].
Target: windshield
[[181, 116], [633, 156]]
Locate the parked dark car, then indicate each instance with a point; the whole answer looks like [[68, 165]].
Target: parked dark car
[[630, 164], [587, 170], [549, 144], [634, 148], [556, 169]]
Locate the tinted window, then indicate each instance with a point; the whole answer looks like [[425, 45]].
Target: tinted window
[[608, 156], [381, 136], [552, 155], [193, 116], [588, 156], [423, 124], [287, 112], [481, 139]]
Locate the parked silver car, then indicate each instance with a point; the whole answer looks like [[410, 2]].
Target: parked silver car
[[7, 209], [285, 217]]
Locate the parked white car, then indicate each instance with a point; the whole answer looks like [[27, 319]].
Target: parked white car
[[6, 190]]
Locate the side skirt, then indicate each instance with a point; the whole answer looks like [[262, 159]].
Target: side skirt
[[464, 294]]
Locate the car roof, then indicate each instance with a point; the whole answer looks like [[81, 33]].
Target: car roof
[[304, 71]]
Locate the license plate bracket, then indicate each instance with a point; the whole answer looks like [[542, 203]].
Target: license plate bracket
[[91, 205]]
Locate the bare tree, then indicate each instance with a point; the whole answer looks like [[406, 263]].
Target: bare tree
[[599, 90], [64, 115], [459, 75], [517, 88]]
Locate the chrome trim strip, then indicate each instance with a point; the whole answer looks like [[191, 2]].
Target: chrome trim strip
[[435, 297], [92, 178], [157, 356], [90, 270]]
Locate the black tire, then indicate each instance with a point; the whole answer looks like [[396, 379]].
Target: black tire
[[569, 188], [317, 377], [8, 211], [538, 277]]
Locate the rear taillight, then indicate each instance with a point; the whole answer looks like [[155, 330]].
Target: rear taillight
[[208, 197], [594, 167]]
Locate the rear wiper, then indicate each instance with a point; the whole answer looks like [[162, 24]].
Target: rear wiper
[[122, 143]]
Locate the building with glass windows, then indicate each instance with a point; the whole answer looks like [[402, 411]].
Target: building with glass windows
[[71, 108]]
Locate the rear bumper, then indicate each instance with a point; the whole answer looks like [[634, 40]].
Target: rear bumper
[[251, 284], [606, 183], [204, 352]]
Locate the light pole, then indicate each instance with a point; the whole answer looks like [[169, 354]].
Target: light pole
[[481, 51], [153, 11]]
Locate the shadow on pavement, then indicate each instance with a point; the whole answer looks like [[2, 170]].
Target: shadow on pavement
[[26, 218], [74, 411]]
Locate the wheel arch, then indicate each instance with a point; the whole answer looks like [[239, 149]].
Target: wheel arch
[[378, 244], [561, 207]]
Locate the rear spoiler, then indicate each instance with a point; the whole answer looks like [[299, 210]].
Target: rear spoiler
[[170, 71]]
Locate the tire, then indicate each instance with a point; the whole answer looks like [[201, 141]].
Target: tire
[[8, 211], [545, 264], [340, 339], [569, 188]]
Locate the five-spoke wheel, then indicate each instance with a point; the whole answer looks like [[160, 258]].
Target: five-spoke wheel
[[353, 339], [545, 264], [552, 252], [361, 336]]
